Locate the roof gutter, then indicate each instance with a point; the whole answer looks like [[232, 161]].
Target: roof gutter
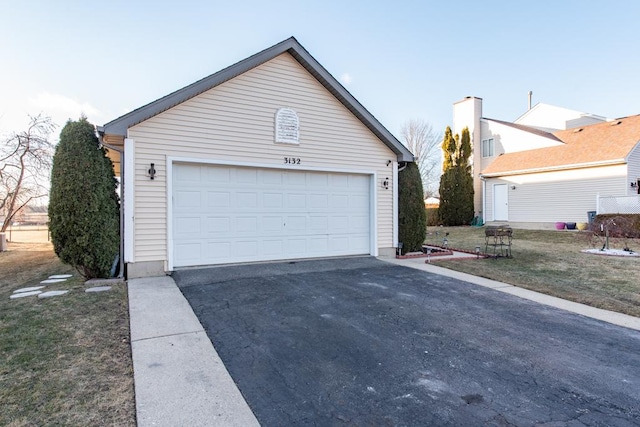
[[554, 169]]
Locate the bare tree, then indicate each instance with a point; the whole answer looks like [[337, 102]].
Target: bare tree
[[25, 161], [420, 138]]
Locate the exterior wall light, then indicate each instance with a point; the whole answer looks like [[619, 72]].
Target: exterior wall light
[[152, 171], [513, 187], [633, 184], [385, 183]]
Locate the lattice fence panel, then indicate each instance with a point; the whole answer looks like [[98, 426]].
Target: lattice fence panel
[[619, 205]]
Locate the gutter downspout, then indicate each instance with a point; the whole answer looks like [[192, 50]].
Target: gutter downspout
[[121, 254]]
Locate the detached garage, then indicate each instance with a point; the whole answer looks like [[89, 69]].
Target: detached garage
[[269, 159]]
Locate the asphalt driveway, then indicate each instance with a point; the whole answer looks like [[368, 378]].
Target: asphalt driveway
[[362, 342]]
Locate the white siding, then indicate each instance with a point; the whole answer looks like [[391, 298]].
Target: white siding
[[633, 167], [551, 118], [506, 139], [235, 122], [557, 196]]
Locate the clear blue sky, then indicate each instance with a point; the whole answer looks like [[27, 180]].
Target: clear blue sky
[[401, 59]]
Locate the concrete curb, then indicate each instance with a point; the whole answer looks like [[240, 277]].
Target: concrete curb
[[179, 377], [612, 317]]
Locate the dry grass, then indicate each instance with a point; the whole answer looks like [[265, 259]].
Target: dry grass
[[65, 360], [551, 262]]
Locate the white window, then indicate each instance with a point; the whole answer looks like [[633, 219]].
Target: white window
[[487, 147]]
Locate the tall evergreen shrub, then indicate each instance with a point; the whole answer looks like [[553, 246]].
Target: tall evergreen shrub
[[83, 206], [456, 182], [412, 214]]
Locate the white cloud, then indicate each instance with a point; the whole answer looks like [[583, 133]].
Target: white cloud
[[346, 79], [61, 108]]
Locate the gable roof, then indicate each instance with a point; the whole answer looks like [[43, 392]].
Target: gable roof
[[120, 125], [524, 128], [600, 144]]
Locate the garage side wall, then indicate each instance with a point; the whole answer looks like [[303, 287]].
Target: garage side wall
[[234, 122]]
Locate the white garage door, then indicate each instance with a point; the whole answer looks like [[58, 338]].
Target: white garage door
[[227, 214]]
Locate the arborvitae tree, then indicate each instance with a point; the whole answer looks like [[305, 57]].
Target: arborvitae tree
[[448, 149], [84, 207], [465, 210], [456, 182], [412, 214]]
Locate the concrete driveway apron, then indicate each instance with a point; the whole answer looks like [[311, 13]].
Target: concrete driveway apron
[[359, 341]]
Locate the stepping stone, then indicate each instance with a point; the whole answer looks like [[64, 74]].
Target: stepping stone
[[61, 276], [50, 294], [25, 294], [54, 280], [30, 289], [98, 289]]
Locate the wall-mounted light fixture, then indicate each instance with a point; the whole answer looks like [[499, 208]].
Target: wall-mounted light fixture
[[633, 184], [385, 183], [513, 187], [388, 162], [152, 171]]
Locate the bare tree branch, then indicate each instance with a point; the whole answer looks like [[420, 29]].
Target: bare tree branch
[[420, 138], [25, 161]]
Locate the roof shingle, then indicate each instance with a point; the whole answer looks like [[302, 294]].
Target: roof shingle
[[602, 143]]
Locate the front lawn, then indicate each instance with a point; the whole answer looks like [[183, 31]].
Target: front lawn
[[550, 262], [65, 360]]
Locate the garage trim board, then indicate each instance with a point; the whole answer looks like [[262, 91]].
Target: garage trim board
[[358, 235]]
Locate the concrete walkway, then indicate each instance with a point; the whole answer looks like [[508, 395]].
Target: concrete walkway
[[180, 379]]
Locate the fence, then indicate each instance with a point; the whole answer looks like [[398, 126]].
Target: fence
[[618, 205]]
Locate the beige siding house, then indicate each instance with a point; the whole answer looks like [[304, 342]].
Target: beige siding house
[[269, 159], [551, 165]]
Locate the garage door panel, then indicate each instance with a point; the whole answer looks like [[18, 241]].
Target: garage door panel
[[220, 225], [246, 200], [188, 225], [247, 224], [184, 252], [293, 247], [296, 201], [218, 199], [247, 248], [339, 224], [338, 201], [236, 214], [188, 199], [183, 175], [217, 176], [246, 176], [217, 251], [359, 224], [272, 247], [319, 223], [271, 177], [358, 203], [272, 201], [272, 224]]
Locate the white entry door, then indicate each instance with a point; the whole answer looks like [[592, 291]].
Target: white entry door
[[229, 214], [500, 202]]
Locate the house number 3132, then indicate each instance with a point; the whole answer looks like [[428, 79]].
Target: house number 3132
[[291, 160]]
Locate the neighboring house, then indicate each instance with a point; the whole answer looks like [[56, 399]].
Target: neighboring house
[[550, 165], [269, 159]]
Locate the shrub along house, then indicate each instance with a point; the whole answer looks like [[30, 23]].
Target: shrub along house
[[268, 159]]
